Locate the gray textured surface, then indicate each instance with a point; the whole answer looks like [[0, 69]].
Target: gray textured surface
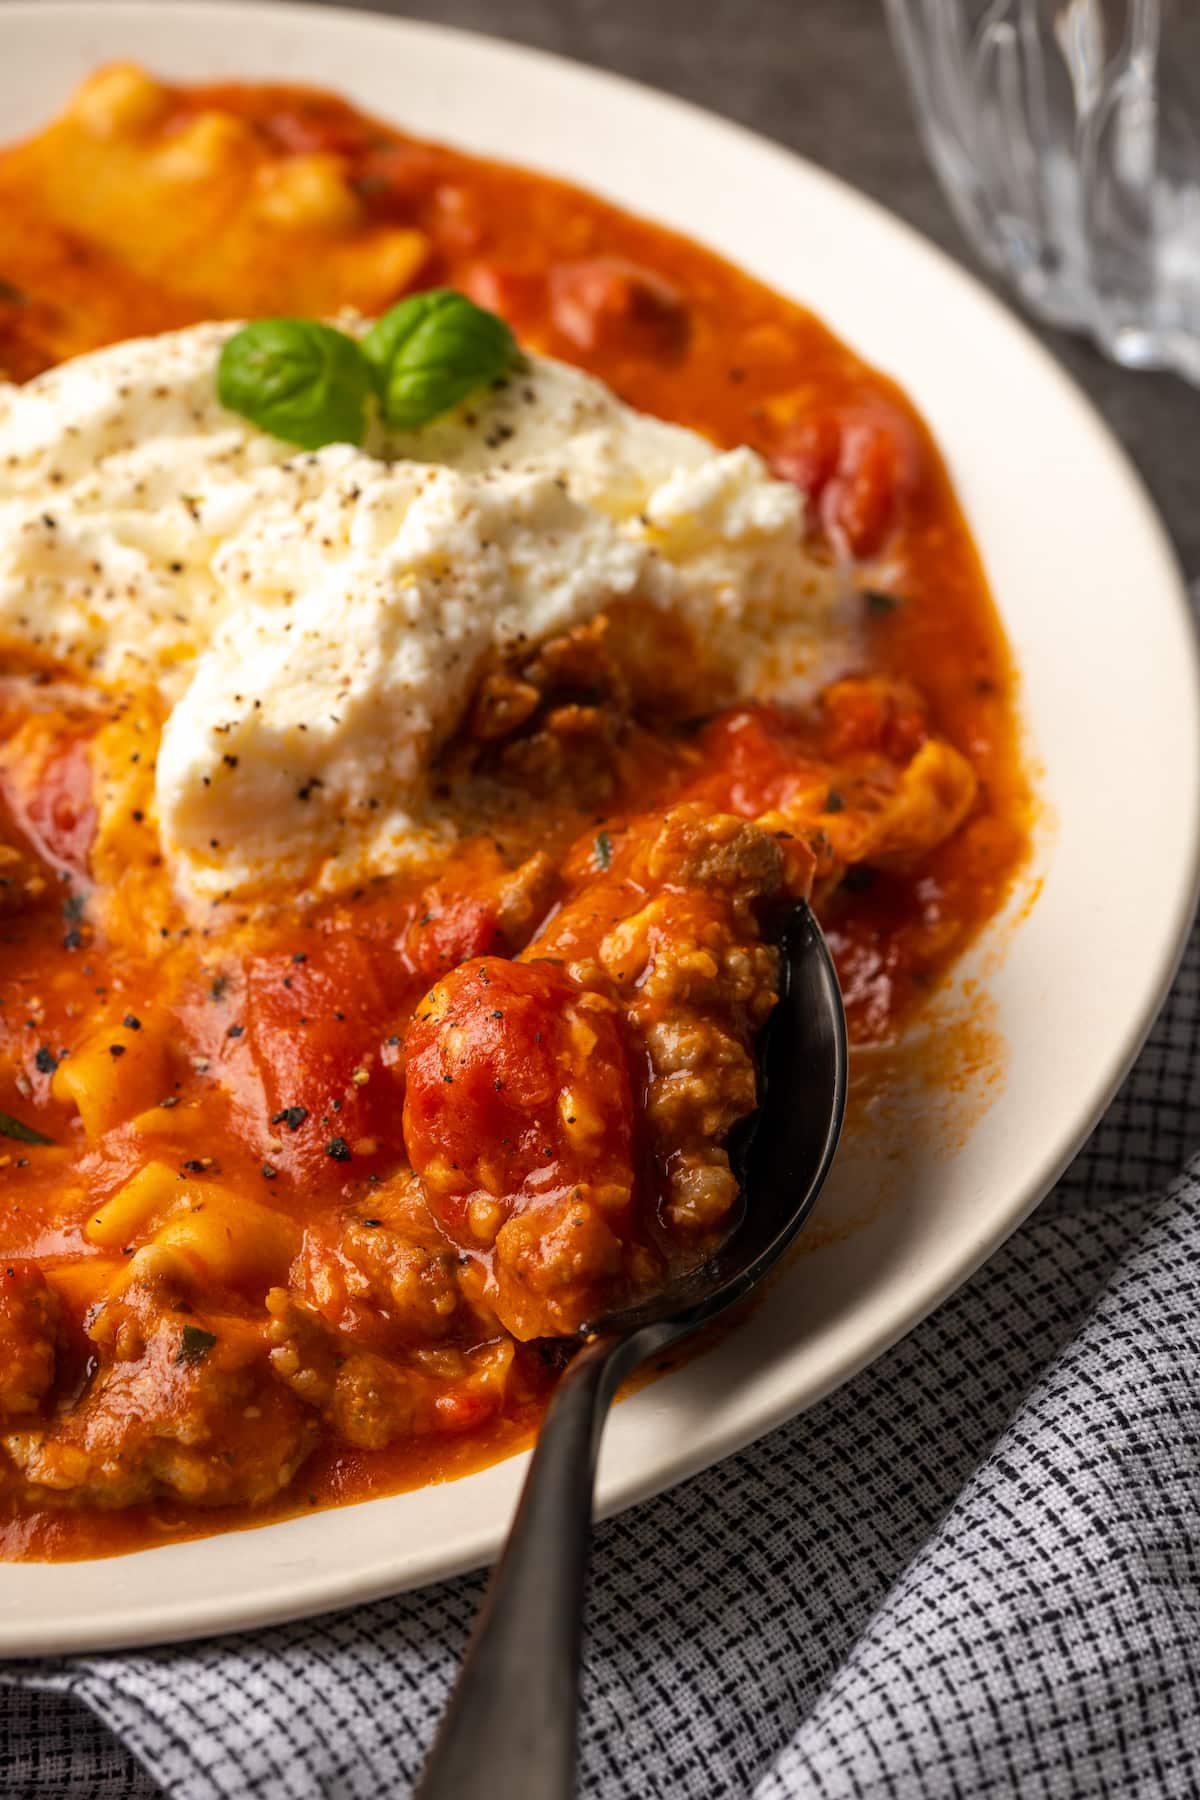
[[819, 76]]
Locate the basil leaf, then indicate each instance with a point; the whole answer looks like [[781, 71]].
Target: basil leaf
[[300, 380], [194, 1344], [881, 603], [431, 351], [602, 850], [24, 1134]]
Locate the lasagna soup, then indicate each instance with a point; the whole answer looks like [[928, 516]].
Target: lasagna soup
[[395, 820]]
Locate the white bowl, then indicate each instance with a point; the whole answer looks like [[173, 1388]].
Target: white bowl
[[1098, 621]]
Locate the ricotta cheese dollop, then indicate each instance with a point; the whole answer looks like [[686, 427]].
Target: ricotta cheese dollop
[[315, 624]]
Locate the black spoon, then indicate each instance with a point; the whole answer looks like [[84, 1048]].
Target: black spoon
[[509, 1730]]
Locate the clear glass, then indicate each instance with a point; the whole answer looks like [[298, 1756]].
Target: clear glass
[[1066, 134]]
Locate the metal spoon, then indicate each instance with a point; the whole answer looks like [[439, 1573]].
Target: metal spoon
[[509, 1730]]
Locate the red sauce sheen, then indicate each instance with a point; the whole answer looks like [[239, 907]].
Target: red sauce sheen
[[325, 1184]]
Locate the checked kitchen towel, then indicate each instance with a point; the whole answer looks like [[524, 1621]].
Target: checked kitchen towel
[[975, 1571]]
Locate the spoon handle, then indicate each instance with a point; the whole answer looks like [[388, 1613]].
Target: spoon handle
[[508, 1732]]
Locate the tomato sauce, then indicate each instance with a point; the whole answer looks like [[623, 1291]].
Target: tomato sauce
[[247, 1053]]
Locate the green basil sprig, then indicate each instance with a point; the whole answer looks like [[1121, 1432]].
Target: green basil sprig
[[17, 1128], [300, 380], [433, 350], [309, 383], [194, 1345]]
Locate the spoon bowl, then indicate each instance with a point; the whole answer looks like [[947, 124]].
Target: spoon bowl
[[785, 1151], [509, 1731]]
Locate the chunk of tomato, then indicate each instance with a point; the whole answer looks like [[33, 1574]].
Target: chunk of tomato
[[518, 1087], [315, 1022], [403, 175], [755, 754], [609, 303], [59, 813], [505, 288], [872, 715], [315, 126], [449, 929], [856, 465]]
